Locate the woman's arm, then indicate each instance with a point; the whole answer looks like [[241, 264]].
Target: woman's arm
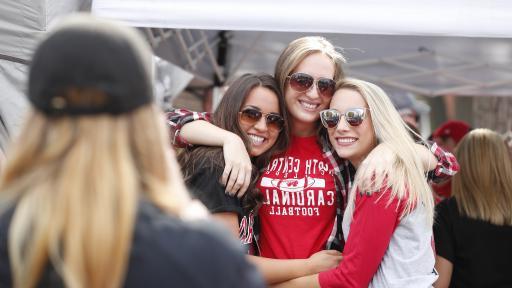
[[279, 270], [371, 230], [445, 268], [230, 221], [237, 172], [439, 164], [381, 157], [428, 158], [193, 128], [310, 281], [374, 221], [446, 165], [177, 118]]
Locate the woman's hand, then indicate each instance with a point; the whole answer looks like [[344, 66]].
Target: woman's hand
[[375, 164], [324, 260], [428, 159], [238, 170]]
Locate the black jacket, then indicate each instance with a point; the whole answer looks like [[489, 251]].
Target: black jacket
[[166, 252]]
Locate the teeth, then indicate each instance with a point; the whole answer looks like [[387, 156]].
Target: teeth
[[308, 105], [346, 140], [256, 139]]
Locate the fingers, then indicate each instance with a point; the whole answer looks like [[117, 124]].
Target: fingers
[[231, 186], [239, 183], [334, 255], [333, 252], [225, 173], [244, 187], [246, 182], [236, 178]]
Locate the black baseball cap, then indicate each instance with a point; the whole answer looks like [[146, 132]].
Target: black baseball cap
[[88, 66]]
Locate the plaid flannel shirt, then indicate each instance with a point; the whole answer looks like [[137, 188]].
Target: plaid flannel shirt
[[176, 118], [344, 172]]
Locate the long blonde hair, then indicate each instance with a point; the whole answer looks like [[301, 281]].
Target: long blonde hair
[[405, 175], [76, 182], [483, 187]]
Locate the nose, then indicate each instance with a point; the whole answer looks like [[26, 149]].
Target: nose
[[342, 125], [312, 92], [261, 125]]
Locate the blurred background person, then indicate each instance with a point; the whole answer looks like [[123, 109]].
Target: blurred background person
[[411, 110], [473, 229], [448, 135], [91, 194]]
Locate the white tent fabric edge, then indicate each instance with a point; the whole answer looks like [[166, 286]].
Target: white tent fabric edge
[[468, 18]]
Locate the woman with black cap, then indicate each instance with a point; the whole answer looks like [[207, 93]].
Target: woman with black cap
[[90, 195]]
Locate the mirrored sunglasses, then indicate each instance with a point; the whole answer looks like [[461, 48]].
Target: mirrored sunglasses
[[354, 117]]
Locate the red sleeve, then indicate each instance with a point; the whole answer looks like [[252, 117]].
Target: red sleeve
[[372, 226], [176, 118]]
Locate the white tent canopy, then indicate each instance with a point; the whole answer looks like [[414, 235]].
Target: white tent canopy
[[472, 18], [431, 48]]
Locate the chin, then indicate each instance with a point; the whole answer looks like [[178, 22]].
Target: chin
[[343, 153], [308, 117], [256, 152]]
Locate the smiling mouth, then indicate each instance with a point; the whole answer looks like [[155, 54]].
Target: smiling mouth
[[346, 141], [256, 140], [308, 106]]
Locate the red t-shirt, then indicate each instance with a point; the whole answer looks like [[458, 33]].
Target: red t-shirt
[[299, 208]]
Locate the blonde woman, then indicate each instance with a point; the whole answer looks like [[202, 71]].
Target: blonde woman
[[473, 229], [388, 221], [91, 195]]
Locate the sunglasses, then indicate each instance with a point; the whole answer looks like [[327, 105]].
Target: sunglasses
[[302, 82], [251, 116], [354, 117]]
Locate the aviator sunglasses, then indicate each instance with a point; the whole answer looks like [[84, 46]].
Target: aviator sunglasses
[[354, 117], [251, 116], [302, 82]]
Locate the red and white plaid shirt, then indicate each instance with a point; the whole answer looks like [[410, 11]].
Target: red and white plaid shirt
[[344, 172]]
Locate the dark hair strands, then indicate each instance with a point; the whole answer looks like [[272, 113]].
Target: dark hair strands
[[226, 117]]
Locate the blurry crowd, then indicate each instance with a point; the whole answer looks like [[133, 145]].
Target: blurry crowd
[[304, 178]]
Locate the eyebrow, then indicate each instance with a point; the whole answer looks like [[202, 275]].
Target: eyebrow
[[251, 106], [259, 109]]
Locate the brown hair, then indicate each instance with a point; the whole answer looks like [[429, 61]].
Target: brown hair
[[227, 117]]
